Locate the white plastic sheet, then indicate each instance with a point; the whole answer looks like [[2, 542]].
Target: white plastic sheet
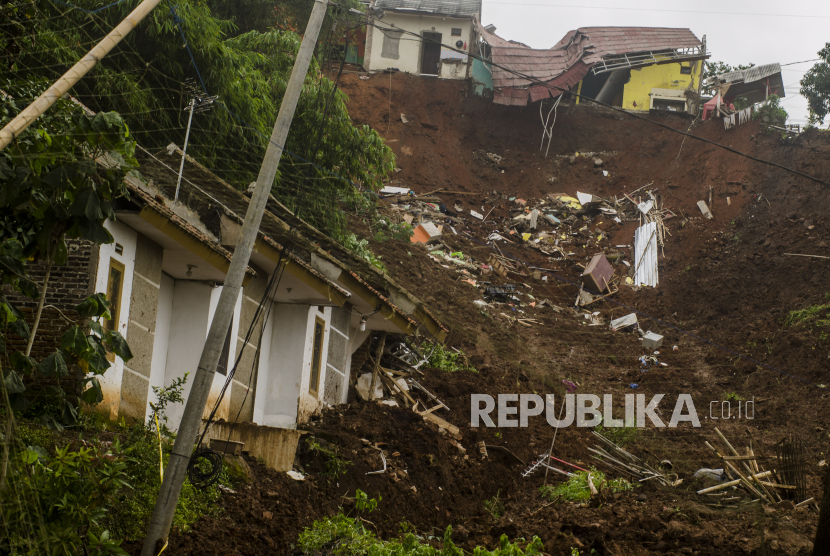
[[645, 255]]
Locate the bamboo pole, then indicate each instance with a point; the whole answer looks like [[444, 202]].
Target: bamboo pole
[[737, 471], [49, 97], [746, 466], [376, 369], [732, 483]]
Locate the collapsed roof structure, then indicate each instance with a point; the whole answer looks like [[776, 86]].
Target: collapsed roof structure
[[598, 50], [755, 83]]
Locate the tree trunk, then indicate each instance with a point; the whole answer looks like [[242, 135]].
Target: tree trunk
[[7, 440], [39, 307], [821, 547]]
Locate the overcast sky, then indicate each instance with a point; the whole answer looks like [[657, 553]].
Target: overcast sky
[[737, 32]]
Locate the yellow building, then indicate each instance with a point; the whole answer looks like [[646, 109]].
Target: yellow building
[[662, 87]]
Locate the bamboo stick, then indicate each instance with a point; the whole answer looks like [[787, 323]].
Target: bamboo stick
[[732, 483], [743, 478]]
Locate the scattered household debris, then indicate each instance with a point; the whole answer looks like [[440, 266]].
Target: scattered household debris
[[652, 340], [705, 209], [628, 465], [622, 323]]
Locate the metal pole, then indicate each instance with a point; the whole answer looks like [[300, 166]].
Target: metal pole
[[192, 419], [75, 73], [184, 150]]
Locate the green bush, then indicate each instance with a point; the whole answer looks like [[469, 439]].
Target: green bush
[[342, 535], [334, 465], [448, 360], [576, 489], [57, 504], [619, 435], [495, 506]]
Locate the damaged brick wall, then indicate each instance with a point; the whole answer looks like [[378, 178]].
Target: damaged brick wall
[[69, 284]]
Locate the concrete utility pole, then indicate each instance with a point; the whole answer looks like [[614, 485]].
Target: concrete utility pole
[[192, 419], [821, 547], [75, 73]]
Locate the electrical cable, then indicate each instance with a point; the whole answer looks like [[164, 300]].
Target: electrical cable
[[205, 457], [614, 108]]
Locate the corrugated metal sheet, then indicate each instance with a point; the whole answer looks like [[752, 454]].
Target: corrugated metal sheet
[[750, 75], [454, 8], [645, 255], [571, 58]]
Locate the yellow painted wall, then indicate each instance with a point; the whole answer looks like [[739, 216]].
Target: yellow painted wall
[[664, 76]]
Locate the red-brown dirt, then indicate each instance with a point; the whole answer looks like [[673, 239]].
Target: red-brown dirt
[[725, 289]]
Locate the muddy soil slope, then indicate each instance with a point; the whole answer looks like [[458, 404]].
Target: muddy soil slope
[[725, 291]]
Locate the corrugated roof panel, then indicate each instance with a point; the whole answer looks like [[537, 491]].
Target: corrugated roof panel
[[577, 51], [752, 74]]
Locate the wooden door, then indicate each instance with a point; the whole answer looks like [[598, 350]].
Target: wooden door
[[431, 57]]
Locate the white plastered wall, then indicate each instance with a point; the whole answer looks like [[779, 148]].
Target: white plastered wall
[[410, 47], [126, 237], [192, 310], [282, 391], [161, 340]]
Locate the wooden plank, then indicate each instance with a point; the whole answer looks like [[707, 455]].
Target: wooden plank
[[452, 429]]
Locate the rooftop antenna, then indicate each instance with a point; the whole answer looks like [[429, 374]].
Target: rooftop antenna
[[199, 102]]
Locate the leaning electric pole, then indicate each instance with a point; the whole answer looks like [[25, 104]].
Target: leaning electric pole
[[192, 419]]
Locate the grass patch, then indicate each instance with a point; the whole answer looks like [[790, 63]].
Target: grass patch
[[576, 489], [619, 435], [816, 315], [343, 535]]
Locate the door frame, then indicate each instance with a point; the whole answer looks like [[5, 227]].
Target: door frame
[[423, 51]]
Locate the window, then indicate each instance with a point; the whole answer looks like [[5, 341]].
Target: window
[[222, 366], [391, 44], [317, 355], [115, 283], [686, 70], [455, 32]]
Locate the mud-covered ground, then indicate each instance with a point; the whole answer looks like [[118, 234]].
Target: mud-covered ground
[[726, 287]]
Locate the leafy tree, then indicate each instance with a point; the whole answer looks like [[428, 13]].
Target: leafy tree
[[771, 112], [243, 58], [57, 181], [815, 86]]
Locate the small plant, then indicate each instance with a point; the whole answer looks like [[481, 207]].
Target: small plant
[[449, 360], [817, 315], [576, 488], [736, 238], [619, 435], [365, 504], [732, 397], [361, 249], [495, 506], [166, 395], [334, 465], [771, 113]]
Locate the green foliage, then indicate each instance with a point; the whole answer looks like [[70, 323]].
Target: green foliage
[[619, 435], [771, 113], [732, 396], [164, 396], [130, 515], [447, 359], [65, 498], [814, 316], [815, 87], [342, 535], [58, 180], [576, 488], [495, 506], [361, 249], [246, 62], [334, 465]]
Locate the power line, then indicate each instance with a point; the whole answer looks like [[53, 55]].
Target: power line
[[629, 9], [616, 109]]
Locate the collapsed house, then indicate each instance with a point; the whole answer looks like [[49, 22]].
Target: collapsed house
[[438, 22], [754, 84], [636, 68], [163, 276]]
